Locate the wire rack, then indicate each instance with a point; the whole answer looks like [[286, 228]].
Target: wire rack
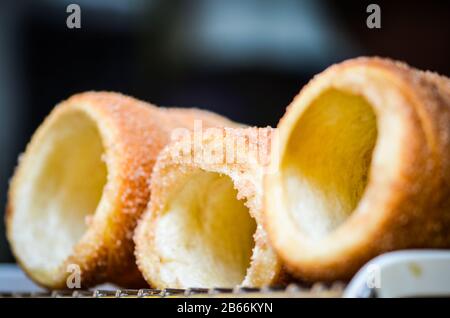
[[291, 291]]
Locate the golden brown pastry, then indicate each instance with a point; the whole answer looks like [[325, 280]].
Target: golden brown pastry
[[82, 184], [364, 168], [203, 226]]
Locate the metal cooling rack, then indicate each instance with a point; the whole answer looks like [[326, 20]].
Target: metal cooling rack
[[397, 274], [291, 291]]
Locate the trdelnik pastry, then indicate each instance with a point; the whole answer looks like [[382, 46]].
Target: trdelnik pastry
[[82, 184], [203, 226], [364, 168]]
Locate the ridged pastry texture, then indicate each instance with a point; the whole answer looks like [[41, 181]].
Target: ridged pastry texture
[[203, 225], [364, 168], [82, 183]]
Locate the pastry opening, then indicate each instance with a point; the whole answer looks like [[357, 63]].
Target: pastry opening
[[204, 237], [326, 163], [63, 186]]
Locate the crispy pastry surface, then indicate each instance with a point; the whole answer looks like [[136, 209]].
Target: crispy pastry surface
[[82, 183], [364, 168], [198, 222]]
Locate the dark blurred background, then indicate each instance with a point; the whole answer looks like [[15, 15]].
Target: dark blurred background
[[245, 59]]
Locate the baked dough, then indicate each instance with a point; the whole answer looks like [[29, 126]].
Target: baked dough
[[82, 183], [364, 168], [203, 226]]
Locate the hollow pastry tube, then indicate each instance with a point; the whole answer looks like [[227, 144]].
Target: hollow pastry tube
[[203, 226], [363, 168], [81, 185]]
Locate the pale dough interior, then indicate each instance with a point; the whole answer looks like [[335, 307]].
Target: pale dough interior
[[205, 234], [60, 188], [326, 163]]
